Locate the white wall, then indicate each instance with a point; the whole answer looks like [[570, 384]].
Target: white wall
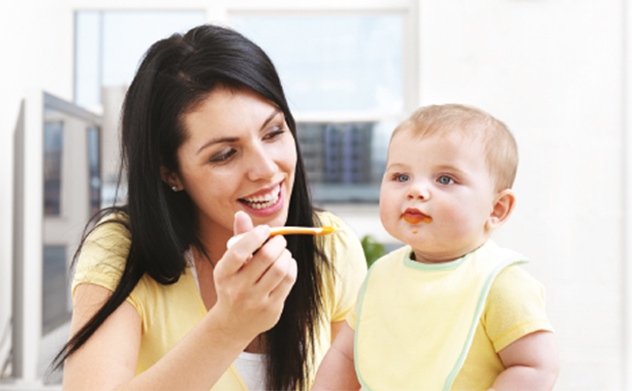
[[36, 42], [553, 70]]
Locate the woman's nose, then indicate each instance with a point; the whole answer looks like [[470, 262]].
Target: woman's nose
[[261, 164]]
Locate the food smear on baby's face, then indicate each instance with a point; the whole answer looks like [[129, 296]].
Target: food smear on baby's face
[[414, 216]]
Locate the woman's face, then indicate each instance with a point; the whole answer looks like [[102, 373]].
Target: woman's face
[[239, 155]]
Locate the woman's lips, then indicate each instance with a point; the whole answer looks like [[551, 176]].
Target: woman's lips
[[414, 216], [265, 204], [263, 199]]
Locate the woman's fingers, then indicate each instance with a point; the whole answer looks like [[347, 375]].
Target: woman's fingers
[[254, 277], [242, 223], [279, 278], [235, 257], [266, 256]]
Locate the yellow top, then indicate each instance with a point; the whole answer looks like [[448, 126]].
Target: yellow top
[[440, 326], [169, 312]]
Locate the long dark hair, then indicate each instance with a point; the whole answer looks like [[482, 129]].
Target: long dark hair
[[176, 74]]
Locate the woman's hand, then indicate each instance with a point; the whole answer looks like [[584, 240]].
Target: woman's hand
[[252, 280], [251, 290]]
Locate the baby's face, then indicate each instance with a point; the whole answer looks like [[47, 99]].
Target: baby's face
[[437, 195]]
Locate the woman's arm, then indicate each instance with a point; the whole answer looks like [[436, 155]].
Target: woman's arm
[[337, 371], [531, 363], [108, 359], [113, 349], [250, 297]]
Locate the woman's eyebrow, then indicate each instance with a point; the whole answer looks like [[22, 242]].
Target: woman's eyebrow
[[274, 113], [218, 140]]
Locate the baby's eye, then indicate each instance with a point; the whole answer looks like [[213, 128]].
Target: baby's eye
[[445, 180], [401, 177]]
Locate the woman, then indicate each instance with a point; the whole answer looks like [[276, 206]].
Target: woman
[[209, 146]]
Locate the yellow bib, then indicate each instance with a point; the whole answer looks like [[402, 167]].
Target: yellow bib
[[416, 321]]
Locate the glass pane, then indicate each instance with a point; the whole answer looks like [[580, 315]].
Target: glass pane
[[128, 34], [87, 58], [337, 153], [334, 62], [94, 167], [344, 161], [53, 147], [54, 293], [110, 45]]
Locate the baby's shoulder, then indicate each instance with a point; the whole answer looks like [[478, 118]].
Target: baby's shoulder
[[513, 286]]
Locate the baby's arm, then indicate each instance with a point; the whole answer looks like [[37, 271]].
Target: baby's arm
[[337, 371], [531, 363]]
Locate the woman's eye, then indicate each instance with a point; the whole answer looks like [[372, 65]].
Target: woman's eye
[[401, 177], [274, 133], [445, 180], [222, 156]]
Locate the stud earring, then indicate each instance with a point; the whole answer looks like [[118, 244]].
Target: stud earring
[[174, 188]]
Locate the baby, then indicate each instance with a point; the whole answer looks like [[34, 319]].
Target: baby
[[451, 309]]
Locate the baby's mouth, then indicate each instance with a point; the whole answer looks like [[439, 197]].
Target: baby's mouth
[[414, 216], [263, 201]]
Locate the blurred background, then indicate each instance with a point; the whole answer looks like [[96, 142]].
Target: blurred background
[[557, 72]]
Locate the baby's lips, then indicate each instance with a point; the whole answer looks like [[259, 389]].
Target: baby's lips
[[416, 217]]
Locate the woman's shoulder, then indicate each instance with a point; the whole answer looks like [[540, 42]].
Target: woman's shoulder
[[326, 218], [107, 243], [346, 256], [344, 240], [342, 248]]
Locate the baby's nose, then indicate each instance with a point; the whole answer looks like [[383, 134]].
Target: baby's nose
[[418, 192]]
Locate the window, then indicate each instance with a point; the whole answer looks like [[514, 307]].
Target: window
[[343, 76], [341, 160], [347, 77], [110, 44], [53, 148], [94, 169], [55, 309]]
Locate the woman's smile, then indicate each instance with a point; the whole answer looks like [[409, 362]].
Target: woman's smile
[[265, 202]]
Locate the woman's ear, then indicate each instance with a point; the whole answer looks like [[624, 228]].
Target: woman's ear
[[501, 209], [170, 178]]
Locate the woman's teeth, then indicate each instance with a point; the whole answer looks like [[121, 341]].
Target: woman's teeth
[[264, 201]]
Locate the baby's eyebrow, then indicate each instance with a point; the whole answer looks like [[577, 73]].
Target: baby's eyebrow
[[397, 165], [448, 167]]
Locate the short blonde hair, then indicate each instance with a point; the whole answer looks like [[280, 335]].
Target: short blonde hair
[[500, 146]]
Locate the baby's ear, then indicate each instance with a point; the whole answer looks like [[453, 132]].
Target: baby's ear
[[501, 209]]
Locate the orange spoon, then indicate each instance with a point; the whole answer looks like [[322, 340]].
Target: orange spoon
[[318, 231]]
